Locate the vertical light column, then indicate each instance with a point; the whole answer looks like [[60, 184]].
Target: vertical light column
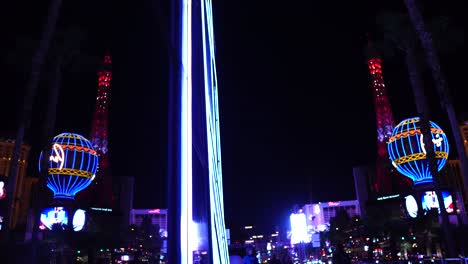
[[186, 136], [219, 247]]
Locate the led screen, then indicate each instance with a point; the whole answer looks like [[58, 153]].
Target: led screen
[[53, 216], [429, 201], [299, 228], [411, 206], [79, 220]]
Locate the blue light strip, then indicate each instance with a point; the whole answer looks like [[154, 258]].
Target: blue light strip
[[412, 165], [219, 246], [186, 238]]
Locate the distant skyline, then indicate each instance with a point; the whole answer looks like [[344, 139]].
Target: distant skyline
[[296, 109]]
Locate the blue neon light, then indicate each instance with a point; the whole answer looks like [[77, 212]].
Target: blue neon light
[[218, 235], [72, 165], [187, 226], [408, 153], [189, 230]]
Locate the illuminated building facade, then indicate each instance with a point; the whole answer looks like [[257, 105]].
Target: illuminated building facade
[[464, 132], [158, 217], [24, 185], [101, 192], [318, 215], [195, 186], [383, 183], [299, 232]]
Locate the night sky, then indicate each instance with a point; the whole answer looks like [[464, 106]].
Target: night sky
[[296, 108]]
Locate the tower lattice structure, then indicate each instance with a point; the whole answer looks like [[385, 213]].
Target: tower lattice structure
[[383, 184], [385, 124], [102, 190]]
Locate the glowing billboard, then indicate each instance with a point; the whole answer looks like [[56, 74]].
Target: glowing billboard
[[2, 190], [299, 228], [79, 220], [57, 216], [429, 201], [411, 206]]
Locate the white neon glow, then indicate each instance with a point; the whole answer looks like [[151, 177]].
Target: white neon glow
[[411, 206], [188, 230], [299, 229], [437, 141], [79, 220], [186, 238], [59, 157], [316, 209]]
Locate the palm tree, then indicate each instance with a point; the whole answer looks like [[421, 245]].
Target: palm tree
[[398, 34], [427, 42], [24, 118]]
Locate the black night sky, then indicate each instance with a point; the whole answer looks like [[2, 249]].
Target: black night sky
[[296, 107]]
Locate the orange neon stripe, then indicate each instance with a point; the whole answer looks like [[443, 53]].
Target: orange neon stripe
[[412, 133], [92, 151]]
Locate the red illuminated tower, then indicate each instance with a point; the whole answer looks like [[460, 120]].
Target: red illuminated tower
[[385, 124], [102, 190], [383, 183]]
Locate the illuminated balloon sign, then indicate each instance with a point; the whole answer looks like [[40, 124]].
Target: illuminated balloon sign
[[408, 152], [73, 165]]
